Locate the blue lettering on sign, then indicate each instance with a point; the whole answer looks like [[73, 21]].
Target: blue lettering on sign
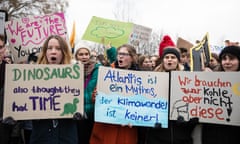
[[140, 90], [158, 104], [137, 117], [111, 113], [115, 88], [43, 102], [17, 108], [115, 76], [105, 100]]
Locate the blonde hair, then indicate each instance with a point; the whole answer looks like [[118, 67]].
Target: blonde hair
[[161, 68], [67, 56]]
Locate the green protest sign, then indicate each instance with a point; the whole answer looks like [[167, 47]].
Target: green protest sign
[[112, 31]]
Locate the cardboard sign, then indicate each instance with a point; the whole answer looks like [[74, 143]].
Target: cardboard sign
[[213, 97], [26, 35], [132, 97], [43, 91]]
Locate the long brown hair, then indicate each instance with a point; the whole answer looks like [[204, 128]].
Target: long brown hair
[[64, 48], [132, 51]]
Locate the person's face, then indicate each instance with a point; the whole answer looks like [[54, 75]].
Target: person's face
[[230, 63], [184, 58], [124, 58], [147, 63], [94, 54], [54, 52], [83, 55], [2, 50], [213, 62], [153, 60], [170, 62]]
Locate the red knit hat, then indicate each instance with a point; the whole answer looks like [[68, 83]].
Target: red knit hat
[[166, 42]]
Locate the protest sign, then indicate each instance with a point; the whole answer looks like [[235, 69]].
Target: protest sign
[[43, 91], [200, 55], [112, 31], [213, 97], [132, 97], [139, 38], [105, 30], [26, 35], [3, 18]]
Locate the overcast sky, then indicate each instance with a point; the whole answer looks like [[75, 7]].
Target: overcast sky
[[189, 19]]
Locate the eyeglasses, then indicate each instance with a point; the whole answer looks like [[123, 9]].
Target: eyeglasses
[[1, 46], [123, 54]]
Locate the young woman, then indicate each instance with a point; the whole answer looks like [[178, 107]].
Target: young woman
[[85, 126], [178, 132], [110, 133], [54, 131], [214, 63], [224, 134], [145, 63]]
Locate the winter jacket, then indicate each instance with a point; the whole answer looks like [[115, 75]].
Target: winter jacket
[[61, 131], [220, 134], [176, 133], [114, 134]]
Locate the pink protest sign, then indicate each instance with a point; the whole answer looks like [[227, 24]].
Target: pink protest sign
[[26, 35]]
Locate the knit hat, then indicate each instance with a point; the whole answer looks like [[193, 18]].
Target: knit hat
[[166, 42], [233, 50], [81, 46], [170, 50]]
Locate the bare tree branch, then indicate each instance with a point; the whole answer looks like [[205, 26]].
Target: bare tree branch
[[23, 8]]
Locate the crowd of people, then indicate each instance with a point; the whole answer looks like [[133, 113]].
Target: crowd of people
[[82, 129]]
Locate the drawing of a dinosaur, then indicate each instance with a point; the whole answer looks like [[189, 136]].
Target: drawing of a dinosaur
[[70, 108]]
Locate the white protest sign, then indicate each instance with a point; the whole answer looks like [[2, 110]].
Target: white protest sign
[[213, 97], [132, 97]]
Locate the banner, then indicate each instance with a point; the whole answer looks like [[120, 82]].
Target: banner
[[132, 97], [103, 31], [26, 35], [213, 97], [43, 91], [200, 55]]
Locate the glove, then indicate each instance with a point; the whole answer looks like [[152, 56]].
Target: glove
[[194, 120], [79, 116], [158, 125], [9, 121], [180, 119]]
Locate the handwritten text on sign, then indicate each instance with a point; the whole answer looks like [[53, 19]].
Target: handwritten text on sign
[[26, 35], [132, 97], [43, 91], [213, 97]]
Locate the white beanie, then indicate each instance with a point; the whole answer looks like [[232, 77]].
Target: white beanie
[[82, 46]]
